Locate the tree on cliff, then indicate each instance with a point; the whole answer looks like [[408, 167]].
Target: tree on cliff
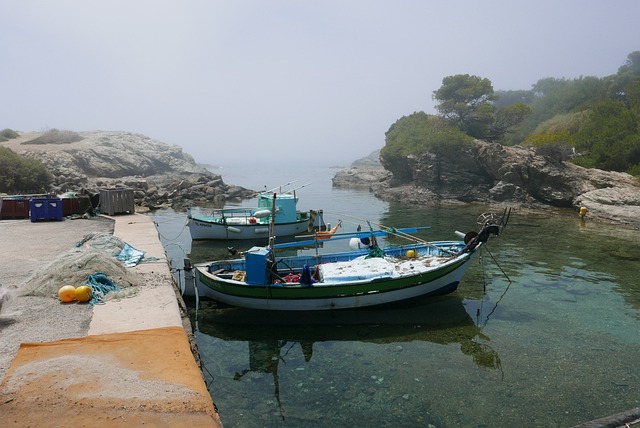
[[468, 103], [610, 138], [625, 81], [465, 101], [592, 121], [599, 118]]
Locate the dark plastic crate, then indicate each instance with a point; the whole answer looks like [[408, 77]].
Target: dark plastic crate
[[117, 200], [46, 209]]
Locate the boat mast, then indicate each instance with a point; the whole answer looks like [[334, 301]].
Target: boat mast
[[272, 223], [280, 186], [299, 187]]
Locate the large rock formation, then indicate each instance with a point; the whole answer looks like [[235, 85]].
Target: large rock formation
[[495, 174], [160, 174], [367, 172]]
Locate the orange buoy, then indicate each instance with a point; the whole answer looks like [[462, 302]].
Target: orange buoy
[[67, 293], [83, 293]]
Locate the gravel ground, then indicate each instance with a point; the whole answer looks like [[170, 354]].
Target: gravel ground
[[26, 247]]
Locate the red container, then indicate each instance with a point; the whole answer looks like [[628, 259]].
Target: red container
[[14, 209], [70, 206]]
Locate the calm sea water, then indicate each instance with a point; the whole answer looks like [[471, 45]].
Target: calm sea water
[[544, 330]]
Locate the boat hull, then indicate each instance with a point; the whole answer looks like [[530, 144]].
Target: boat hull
[[277, 210], [202, 229], [331, 294]]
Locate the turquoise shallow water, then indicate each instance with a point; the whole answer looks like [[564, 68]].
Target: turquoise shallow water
[[557, 345]]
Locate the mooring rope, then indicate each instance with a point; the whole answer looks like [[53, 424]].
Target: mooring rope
[[177, 236]]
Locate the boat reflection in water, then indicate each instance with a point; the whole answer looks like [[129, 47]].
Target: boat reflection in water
[[272, 335]]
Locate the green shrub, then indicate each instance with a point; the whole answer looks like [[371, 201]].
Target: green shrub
[[19, 174], [585, 162], [420, 133], [635, 171], [55, 136], [8, 134], [558, 145]]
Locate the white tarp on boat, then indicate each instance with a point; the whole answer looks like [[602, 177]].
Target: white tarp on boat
[[357, 270], [373, 268], [413, 266]]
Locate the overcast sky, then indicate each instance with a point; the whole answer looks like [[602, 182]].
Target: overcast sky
[[295, 80]]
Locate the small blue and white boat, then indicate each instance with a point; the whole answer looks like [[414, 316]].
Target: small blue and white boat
[[254, 223]]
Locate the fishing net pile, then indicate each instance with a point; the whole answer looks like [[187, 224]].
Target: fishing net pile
[[94, 254], [102, 241]]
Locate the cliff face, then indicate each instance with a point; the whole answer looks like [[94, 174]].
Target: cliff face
[[494, 174], [491, 172], [160, 174]]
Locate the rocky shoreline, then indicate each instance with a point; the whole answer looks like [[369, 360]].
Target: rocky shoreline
[[162, 175], [159, 174], [500, 176]]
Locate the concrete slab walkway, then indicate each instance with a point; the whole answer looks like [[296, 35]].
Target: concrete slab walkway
[[135, 367], [156, 305]]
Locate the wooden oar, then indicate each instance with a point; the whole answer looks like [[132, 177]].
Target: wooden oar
[[348, 235]]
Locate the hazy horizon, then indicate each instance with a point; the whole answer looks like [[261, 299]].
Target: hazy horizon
[[287, 81]]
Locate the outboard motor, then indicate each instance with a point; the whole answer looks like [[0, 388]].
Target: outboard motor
[[481, 237], [490, 224]]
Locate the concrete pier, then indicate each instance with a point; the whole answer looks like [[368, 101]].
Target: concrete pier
[[134, 367], [156, 304]]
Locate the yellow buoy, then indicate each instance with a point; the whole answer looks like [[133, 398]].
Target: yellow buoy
[[583, 211], [412, 254], [83, 293], [67, 293]]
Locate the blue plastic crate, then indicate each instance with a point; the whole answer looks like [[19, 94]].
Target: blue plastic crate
[[46, 209]]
